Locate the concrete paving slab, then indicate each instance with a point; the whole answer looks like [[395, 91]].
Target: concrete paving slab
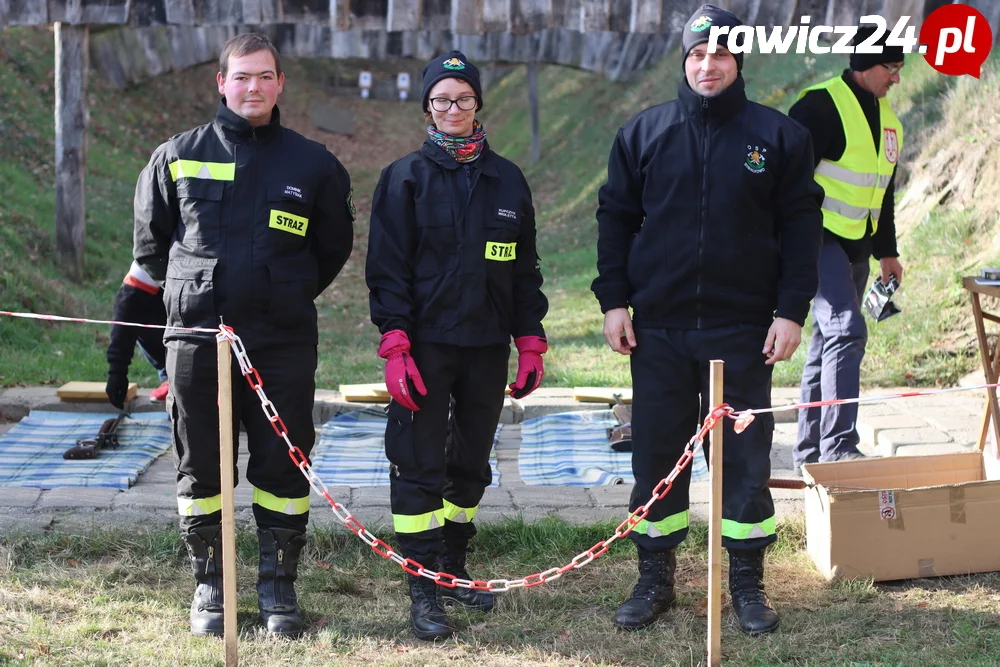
[[890, 439], [15, 496], [870, 427], [611, 495], [549, 496], [496, 497], [74, 497], [588, 515], [342, 494], [22, 522], [931, 450], [152, 496], [369, 496]]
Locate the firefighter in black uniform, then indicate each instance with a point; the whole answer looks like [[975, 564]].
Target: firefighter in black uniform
[[246, 220], [709, 229], [453, 275]]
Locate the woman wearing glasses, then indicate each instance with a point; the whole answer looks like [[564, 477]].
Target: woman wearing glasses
[[453, 276]]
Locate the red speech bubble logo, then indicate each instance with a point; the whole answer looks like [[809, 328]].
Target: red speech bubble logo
[[957, 38]]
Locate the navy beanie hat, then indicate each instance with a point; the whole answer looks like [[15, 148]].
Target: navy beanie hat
[[862, 61], [698, 27], [452, 65]]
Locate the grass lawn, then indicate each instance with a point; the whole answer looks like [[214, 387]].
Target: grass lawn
[[121, 598]]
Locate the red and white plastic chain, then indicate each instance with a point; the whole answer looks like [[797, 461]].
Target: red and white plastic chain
[[443, 578]]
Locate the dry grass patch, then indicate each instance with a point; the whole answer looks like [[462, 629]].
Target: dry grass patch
[[124, 600]]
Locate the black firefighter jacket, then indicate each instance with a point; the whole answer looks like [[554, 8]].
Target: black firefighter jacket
[[710, 216], [450, 263], [247, 223]]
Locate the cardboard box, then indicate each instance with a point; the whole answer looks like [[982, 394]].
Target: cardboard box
[[904, 517]]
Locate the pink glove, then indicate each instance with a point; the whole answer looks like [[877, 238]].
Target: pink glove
[[529, 365], [400, 369]]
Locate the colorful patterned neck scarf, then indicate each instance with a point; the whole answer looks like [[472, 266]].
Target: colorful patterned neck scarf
[[463, 149]]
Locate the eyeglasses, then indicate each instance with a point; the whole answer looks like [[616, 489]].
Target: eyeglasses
[[892, 69], [443, 104]]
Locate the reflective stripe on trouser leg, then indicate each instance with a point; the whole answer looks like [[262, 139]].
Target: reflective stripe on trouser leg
[[199, 506], [664, 527], [479, 397], [418, 523], [735, 530], [664, 416], [281, 505], [458, 514]]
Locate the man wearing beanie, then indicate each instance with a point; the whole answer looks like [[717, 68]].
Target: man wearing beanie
[[709, 229], [857, 140]]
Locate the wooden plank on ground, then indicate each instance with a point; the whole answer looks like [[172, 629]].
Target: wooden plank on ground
[[365, 393], [91, 391], [601, 394]]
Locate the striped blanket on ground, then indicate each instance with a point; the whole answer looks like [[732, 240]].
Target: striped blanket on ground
[[572, 449], [351, 450], [31, 451]]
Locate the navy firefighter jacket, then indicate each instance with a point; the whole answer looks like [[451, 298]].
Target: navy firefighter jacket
[[247, 223], [451, 251]]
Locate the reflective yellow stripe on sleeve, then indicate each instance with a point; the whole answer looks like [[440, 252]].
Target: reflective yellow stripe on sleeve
[[272, 502], [199, 506], [212, 171]]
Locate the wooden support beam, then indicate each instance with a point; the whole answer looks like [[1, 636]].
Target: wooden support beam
[[403, 15], [714, 641], [647, 16], [227, 485], [467, 17], [596, 15], [496, 15], [71, 117]]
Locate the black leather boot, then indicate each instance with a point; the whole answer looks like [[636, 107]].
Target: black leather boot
[[279, 566], [427, 618], [654, 592], [453, 562], [746, 585], [205, 550]]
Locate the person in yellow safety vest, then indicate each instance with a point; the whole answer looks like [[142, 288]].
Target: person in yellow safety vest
[[857, 140]]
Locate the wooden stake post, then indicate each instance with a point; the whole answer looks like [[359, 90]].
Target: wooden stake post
[[228, 506], [715, 524]]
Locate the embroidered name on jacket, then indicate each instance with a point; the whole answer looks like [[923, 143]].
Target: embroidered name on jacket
[[501, 252], [288, 222], [292, 191], [506, 213]]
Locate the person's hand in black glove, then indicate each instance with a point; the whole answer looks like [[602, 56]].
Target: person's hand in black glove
[[116, 389]]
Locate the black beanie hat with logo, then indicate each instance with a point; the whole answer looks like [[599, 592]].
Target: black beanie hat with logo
[[862, 61], [699, 26], [452, 65]]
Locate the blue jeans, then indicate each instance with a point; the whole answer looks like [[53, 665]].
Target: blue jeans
[[833, 363]]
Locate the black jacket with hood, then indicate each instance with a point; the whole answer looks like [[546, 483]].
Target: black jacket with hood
[[710, 216]]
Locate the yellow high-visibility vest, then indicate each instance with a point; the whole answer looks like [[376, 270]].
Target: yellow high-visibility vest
[[855, 184]]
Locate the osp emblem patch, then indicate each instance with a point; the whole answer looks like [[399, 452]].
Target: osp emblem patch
[[756, 160], [453, 63], [701, 24]]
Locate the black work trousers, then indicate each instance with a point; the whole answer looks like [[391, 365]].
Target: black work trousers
[[670, 374], [439, 455], [288, 377]]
